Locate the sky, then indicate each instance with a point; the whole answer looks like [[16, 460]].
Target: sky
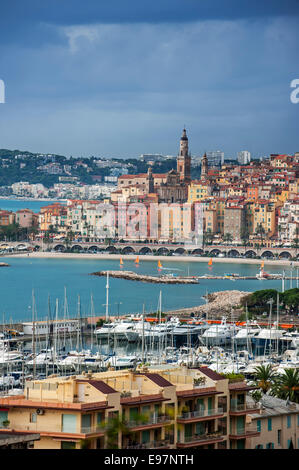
[[122, 78]]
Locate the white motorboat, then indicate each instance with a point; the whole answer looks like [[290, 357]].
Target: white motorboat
[[246, 333], [219, 334], [105, 331]]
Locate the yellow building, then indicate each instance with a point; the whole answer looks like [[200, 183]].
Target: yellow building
[[161, 407], [198, 190]]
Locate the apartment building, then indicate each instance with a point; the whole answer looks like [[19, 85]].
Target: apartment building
[[278, 424], [159, 407]]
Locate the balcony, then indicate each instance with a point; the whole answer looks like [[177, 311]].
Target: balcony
[[243, 408], [92, 430], [201, 439], [153, 421], [149, 445], [244, 432], [197, 415]]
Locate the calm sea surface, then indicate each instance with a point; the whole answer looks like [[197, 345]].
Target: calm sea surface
[[17, 204], [49, 277]]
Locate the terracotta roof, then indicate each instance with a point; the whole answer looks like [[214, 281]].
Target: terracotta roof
[[143, 399], [210, 373], [159, 380], [241, 386], [102, 386], [196, 392]]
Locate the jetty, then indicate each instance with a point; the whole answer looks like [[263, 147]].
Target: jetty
[[163, 279]]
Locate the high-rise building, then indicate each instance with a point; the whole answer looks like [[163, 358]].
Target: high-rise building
[[215, 158], [244, 157]]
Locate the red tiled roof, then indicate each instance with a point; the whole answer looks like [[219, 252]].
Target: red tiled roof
[[196, 392], [241, 386], [143, 399], [102, 386], [158, 380], [210, 373]]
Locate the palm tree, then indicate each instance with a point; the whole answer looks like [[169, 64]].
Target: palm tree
[[264, 377], [245, 237], [228, 237], [286, 386], [261, 232]]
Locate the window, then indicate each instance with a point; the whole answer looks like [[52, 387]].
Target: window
[[269, 424], [279, 437], [33, 417], [3, 417], [270, 445], [289, 421], [259, 425], [259, 446]]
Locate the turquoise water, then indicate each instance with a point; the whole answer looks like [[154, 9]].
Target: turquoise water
[[17, 204], [50, 276]]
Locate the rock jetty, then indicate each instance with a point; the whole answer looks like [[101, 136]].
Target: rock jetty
[[2, 265], [131, 276], [219, 304]]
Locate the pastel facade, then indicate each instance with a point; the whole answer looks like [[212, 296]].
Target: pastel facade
[[162, 407]]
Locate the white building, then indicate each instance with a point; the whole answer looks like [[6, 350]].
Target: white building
[[244, 157]]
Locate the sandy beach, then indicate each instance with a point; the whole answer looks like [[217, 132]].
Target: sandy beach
[[186, 259]]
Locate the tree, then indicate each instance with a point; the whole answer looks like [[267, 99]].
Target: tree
[[245, 236], [260, 231], [264, 377], [286, 385], [228, 238]]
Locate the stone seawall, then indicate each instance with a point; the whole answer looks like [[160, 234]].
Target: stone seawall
[[131, 276]]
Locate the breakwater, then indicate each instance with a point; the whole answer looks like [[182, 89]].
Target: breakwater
[[164, 279]]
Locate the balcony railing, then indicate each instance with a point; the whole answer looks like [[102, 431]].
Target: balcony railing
[[92, 429], [244, 431], [201, 413], [149, 445], [244, 407], [201, 437], [147, 422]]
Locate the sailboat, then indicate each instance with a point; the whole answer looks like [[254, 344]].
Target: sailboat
[[137, 260], [210, 263], [159, 265], [121, 262]]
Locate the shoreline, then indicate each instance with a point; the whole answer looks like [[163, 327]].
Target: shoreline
[[185, 259]]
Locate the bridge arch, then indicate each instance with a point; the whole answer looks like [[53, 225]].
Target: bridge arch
[[111, 249], [163, 250], [197, 251], [250, 254], [77, 248], [215, 252], [58, 247], [267, 254], [127, 250], [233, 253], [180, 251], [93, 248], [285, 255], [145, 250]]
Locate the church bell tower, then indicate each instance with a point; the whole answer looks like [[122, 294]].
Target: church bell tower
[[184, 159]]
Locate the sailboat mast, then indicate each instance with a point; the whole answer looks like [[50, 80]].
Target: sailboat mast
[[107, 297], [143, 335], [33, 333]]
